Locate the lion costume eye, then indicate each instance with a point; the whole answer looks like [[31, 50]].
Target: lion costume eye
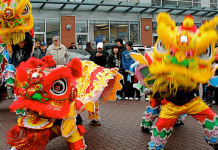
[[59, 87], [207, 54], [26, 10], [160, 47]]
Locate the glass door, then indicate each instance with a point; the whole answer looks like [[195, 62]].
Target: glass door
[[81, 40], [41, 37]]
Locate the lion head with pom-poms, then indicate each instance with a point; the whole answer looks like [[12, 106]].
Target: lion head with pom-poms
[[183, 54], [15, 20], [46, 92]]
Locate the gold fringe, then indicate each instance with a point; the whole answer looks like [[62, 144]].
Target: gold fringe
[[13, 38], [168, 84]]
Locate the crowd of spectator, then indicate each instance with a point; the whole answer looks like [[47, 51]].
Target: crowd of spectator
[[119, 57]]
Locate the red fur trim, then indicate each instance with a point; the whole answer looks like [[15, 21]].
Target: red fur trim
[[35, 63], [75, 66], [49, 60], [40, 107], [31, 63], [32, 33], [23, 138], [56, 74]]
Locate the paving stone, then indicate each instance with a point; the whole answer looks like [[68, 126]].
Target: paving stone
[[120, 129]]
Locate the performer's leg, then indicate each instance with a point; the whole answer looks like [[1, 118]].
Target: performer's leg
[[179, 121], [55, 131], [150, 114], [164, 126], [94, 117], [76, 141], [208, 119]]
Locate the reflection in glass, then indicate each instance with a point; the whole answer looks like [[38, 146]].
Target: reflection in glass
[[81, 26], [52, 29], [98, 30], [81, 41], [135, 32], [40, 36], [119, 30], [39, 25]]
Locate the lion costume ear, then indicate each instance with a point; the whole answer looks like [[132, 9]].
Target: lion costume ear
[[75, 66], [165, 29], [207, 35]]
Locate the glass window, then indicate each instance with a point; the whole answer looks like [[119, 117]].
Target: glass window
[[119, 29], [154, 27], [40, 36], [39, 25], [135, 32], [98, 30], [52, 29], [81, 26], [81, 41]]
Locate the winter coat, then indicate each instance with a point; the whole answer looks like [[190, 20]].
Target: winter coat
[[122, 49], [90, 51], [101, 61], [71, 47], [37, 53], [111, 61], [60, 54], [23, 54], [127, 60]]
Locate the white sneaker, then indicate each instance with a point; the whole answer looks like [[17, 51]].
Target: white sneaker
[[147, 99], [214, 102], [126, 98], [131, 99], [136, 98]]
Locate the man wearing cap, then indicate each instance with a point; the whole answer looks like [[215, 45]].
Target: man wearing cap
[[58, 51], [99, 56], [43, 49]]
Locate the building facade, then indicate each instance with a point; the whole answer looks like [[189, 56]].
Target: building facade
[[82, 21]]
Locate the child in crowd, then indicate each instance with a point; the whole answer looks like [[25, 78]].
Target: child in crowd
[[114, 60], [127, 61]]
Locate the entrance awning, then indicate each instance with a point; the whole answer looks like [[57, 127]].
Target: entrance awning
[[121, 7]]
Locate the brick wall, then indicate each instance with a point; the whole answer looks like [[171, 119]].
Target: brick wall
[[146, 36], [67, 36]]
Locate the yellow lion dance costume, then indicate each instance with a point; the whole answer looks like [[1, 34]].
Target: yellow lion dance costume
[[181, 60]]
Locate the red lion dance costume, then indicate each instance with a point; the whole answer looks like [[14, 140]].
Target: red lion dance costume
[[181, 60], [54, 97]]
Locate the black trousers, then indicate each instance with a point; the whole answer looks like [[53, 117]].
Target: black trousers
[[121, 91], [128, 86]]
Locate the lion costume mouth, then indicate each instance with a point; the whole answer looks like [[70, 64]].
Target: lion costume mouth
[[49, 110]]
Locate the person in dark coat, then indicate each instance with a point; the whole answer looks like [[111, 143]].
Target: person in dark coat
[[99, 56], [73, 46], [22, 50], [114, 60], [120, 45], [89, 48], [43, 49]]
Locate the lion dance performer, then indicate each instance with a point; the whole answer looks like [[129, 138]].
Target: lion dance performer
[[53, 97], [16, 26], [181, 60]]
